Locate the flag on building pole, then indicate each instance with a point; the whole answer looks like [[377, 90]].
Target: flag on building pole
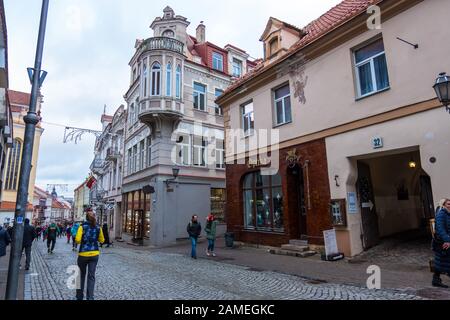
[[90, 182]]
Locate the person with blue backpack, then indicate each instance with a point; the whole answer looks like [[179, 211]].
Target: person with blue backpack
[[73, 231], [89, 235]]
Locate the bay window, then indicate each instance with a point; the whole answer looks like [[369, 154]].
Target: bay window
[[156, 79], [169, 80], [178, 82]]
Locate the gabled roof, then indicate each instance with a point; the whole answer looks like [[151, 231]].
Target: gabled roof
[[335, 17], [273, 21]]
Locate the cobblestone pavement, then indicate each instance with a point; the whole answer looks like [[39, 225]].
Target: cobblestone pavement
[[127, 274]]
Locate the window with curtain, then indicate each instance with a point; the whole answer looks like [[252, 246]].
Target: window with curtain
[[282, 105], [199, 151], [263, 202], [12, 172], [169, 80], [248, 118], [199, 96], [371, 69], [156, 79], [218, 93], [183, 149], [178, 82]]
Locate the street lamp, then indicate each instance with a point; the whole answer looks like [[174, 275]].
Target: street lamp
[[442, 88], [175, 172]]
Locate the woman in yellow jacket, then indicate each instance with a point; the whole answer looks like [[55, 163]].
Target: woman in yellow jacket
[[89, 235]]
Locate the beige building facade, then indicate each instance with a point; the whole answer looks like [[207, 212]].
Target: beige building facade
[[368, 96]]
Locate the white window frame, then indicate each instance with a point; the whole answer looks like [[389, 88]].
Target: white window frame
[[135, 156], [199, 93], [149, 151], [217, 107], [217, 60], [235, 67], [155, 75], [142, 155], [185, 148], [372, 70], [169, 79], [221, 153], [130, 161], [178, 84], [145, 77], [247, 116], [282, 99], [201, 152]]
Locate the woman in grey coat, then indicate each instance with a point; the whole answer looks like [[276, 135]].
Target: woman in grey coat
[[5, 240]]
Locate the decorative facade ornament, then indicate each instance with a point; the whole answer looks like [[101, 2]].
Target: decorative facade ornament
[[292, 158], [296, 71]]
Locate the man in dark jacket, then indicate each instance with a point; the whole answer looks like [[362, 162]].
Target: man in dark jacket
[[194, 229], [106, 235], [29, 233], [51, 233], [5, 240]]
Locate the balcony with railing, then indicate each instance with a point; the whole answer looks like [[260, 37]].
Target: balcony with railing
[[112, 154], [98, 166], [163, 43]]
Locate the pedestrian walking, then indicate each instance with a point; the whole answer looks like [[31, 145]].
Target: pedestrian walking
[[89, 235], [38, 233], [210, 229], [10, 231], [441, 244], [194, 230], [68, 233], [106, 235], [29, 234], [51, 234], [5, 240]]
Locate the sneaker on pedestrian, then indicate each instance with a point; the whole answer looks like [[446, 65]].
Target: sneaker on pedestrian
[[207, 253], [213, 254]]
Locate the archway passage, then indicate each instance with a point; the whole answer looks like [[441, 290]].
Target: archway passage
[[297, 202], [395, 197]]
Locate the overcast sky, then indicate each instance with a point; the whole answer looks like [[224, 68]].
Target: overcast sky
[[88, 46]]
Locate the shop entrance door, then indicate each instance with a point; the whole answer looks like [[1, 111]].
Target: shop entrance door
[[138, 232], [426, 195], [369, 215]]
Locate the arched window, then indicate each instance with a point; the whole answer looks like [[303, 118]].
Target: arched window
[[156, 79], [178, 82], [145, 77], [169, 80], [168, 33], [12, 171], [263, 202]]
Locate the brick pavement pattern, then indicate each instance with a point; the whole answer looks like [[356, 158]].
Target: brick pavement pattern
[[127, 274]]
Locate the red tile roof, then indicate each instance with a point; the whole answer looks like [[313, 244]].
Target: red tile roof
[[11, 206], [19, 98], [336, 16]]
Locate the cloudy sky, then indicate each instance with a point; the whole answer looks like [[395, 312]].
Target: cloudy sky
[[88, 46]]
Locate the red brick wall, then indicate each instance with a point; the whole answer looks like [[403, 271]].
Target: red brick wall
[[318, 216]]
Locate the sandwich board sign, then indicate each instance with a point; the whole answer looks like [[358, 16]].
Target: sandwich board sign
[[331, 247]]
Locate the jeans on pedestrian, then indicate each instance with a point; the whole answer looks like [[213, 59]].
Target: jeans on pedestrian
[[211, 245], [89, 263], [27, 256], [52, 242], [194, 247], [74, 244]]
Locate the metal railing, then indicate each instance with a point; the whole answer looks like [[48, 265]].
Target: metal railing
[[163, 43]]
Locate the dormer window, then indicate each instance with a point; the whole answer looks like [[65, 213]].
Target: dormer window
[[273, 46], [168, 34], [217, 60]]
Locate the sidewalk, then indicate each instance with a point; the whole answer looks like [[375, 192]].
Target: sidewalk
[[4, 262], [412, 279]]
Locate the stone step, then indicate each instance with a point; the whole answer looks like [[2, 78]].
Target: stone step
[[300, 243], [293, 247], [291, 253]]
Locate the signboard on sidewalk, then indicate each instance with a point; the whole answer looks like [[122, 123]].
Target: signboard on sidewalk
[[330, 242]]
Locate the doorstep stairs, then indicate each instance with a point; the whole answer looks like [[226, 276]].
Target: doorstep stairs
[[295, 248]]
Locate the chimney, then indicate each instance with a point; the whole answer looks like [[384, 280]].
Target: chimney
[[201, 33]]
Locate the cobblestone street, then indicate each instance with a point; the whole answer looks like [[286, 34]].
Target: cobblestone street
[[125, 273]]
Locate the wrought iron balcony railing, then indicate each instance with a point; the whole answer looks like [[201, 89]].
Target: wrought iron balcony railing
[[163, 43]]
